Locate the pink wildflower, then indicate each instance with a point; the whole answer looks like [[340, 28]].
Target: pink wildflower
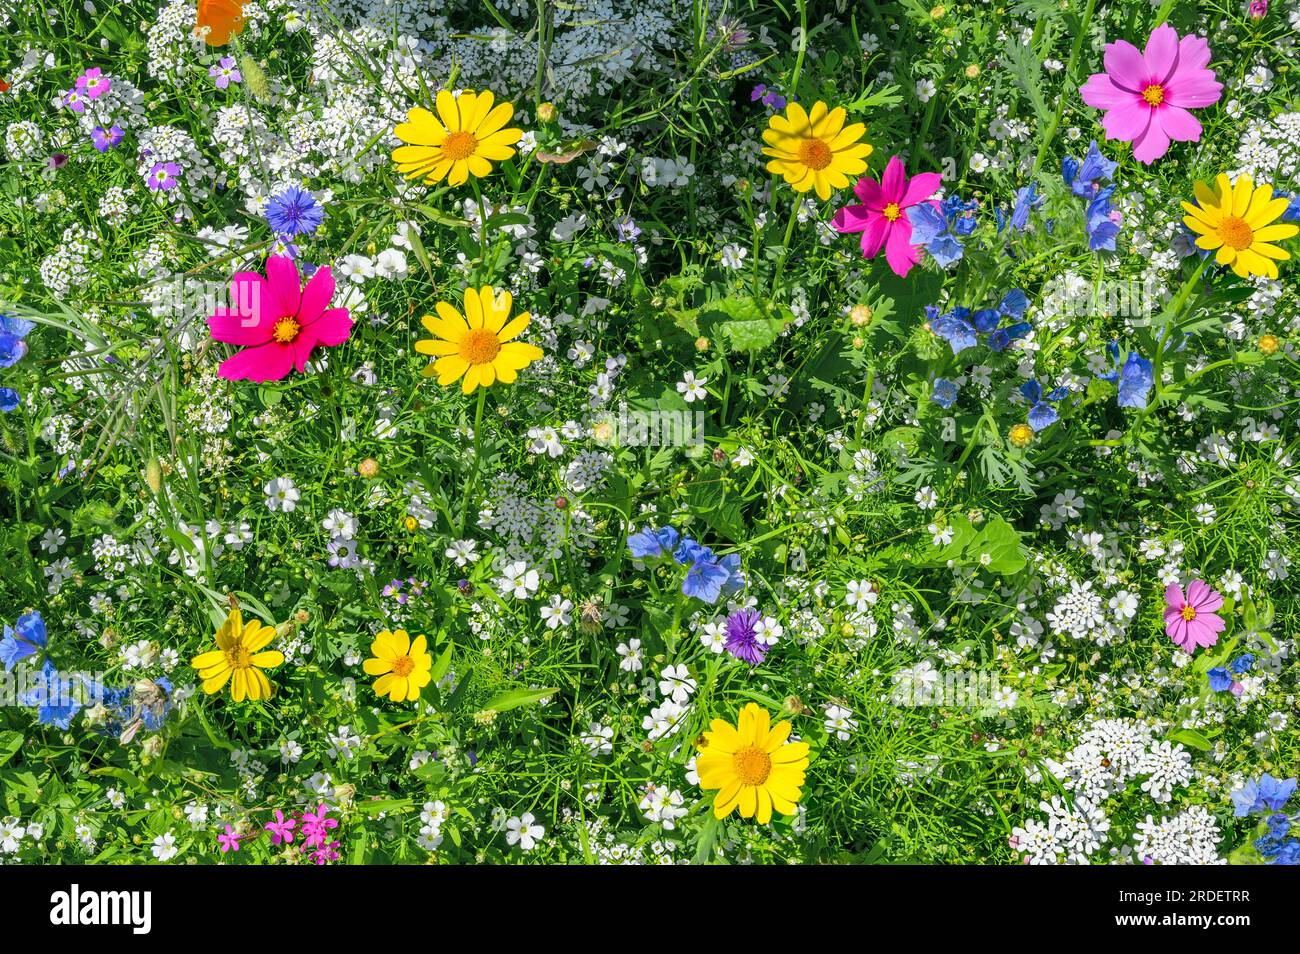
[[882, 216], [1146, 95], [1191, 621]]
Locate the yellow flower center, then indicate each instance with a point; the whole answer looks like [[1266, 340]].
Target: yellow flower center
[[480, 346], [752, 765], [459, 145], [238, 657], [1268, 344], [1021, 435], [403, 666], [893, 212], [1154, 94], [285, 330], [815, 154], [1189, 613], [1236, 233]]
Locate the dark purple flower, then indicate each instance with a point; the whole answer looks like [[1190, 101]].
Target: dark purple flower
[[742, 637], [58, 160]]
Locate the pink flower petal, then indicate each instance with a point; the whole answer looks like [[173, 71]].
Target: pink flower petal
[[1100, 93], [316, 297], [1128, 121], [921, 188], [894, 182], [1193, 57], [286, 289], [868, 193], [1152, 144], [852, 218], [1178, 124], [1161, 54], [873, 239], [234, 328], [267, 362], [1195, 92], [1174, 597], [899, 252], [1126, 66], [333, 327], [1197, 591]]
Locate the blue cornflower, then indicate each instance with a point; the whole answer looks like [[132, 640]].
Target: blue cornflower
[[652, 544], [959, 326], [1268, 792], [1041, 413], [1135, 377], [1243, 663], [27, 638], [943, 393], [294, 211]]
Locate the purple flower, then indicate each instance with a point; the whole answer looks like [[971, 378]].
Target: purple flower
[[226, 72], [164, 176], [742, 637], [106, 139], [57, 161], [93, 83], [74, 101]]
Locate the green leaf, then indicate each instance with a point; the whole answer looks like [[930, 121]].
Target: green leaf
[[514, 698], [1190, 738], [10, 743]]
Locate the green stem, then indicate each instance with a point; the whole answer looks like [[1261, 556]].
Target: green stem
[[471, 484], [1069, 78], [785, 244], [1164, 333]]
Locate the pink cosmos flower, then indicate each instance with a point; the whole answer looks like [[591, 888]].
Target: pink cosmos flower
[[882, 216], [1146, 95], [277, 321], [1191, 621]]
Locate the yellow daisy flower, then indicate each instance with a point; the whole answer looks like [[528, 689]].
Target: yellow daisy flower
[[479, 351], [752, 765], [1238, 222], [463, 140], [401, 665], [239, 658], [815, 150]]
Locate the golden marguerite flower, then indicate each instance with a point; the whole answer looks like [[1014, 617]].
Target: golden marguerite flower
[[752, 765], [239, 659], [402, 665], [463, 140], [477, 348], [1238, 222], [814, 149]]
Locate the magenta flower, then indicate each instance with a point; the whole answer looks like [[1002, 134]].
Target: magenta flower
[[1146, 95], [281, 829], [164, 176], [1258, 9], [316, 828], [1191, 621], [278, 322], [229, 841], [93, 83], [882, 216]]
